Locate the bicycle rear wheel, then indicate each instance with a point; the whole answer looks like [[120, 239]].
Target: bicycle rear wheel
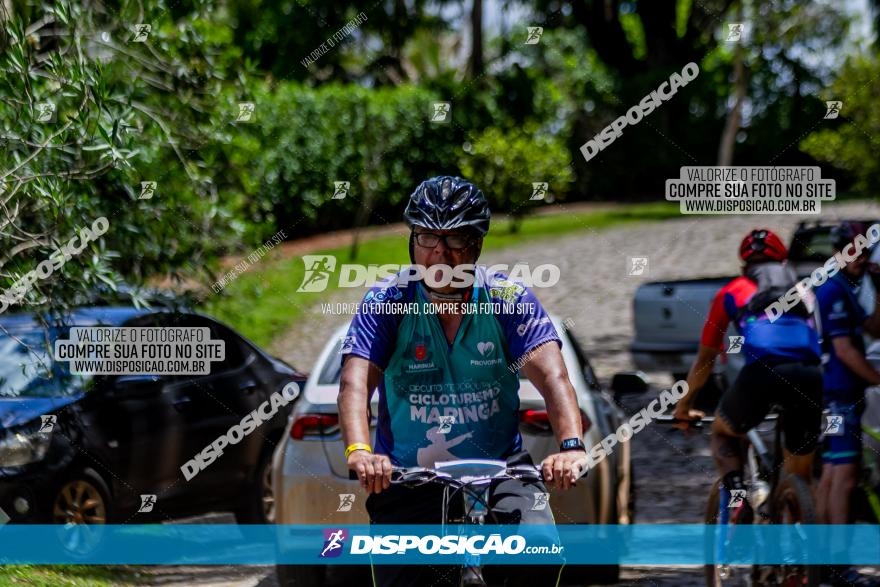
[[793, 504], [721, 575]]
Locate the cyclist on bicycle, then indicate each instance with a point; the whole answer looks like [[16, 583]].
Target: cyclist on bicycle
[[782, 366], [445, 389], [847, 374]]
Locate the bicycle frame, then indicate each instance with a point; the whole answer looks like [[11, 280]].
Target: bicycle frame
[[473, 477]]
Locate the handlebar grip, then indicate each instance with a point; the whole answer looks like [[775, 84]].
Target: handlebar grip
[[691, 423], [352, 476]]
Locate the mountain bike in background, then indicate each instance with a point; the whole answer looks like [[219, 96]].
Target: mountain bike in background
[[771, 496]]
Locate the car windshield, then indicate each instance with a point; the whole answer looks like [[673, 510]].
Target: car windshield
[[812, 245], [27, 368]]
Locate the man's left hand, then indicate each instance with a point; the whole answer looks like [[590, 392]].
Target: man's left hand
[[562, 470]]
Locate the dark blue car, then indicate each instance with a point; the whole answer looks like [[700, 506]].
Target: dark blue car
[[87, 449]]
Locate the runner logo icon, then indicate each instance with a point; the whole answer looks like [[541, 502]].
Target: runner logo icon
[[334, 541], [318, 271]]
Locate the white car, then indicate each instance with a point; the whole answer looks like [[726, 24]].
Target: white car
[[312, 484]]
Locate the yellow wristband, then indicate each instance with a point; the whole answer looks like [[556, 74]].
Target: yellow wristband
[[357, 446]]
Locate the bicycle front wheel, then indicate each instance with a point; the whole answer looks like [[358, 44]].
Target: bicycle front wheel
[[793, 504], [721, 575]]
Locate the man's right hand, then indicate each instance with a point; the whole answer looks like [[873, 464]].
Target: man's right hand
[[373, 471], [685, 414]]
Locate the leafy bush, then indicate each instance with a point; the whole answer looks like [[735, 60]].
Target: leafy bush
[[850, 142], [125, 112], [305, 139], [506, 164]]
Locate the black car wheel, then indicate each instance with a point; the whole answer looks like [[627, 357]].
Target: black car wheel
[[258, 502]]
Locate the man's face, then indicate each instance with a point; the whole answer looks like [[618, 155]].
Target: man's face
[[429, 250]]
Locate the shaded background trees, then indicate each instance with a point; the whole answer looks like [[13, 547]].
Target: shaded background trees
[[166, 110]]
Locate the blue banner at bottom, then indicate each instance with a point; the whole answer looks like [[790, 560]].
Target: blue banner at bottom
[[638, 544]]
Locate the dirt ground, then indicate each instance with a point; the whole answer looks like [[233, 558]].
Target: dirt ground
[[673, 474]]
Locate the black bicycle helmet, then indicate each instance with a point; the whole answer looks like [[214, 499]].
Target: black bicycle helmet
[[845, 232], [445, 203]]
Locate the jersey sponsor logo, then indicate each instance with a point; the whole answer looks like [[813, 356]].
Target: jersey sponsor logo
[[421, 367], [486, 349], [531, 323], [421, 355], [506, 290], [387, 293]]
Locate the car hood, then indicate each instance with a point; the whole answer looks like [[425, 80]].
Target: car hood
[[20, 410]]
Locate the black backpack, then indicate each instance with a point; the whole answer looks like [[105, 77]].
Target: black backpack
[[774, 280]]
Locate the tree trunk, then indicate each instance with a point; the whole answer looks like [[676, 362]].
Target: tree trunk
[[477, 66], [734, 117]]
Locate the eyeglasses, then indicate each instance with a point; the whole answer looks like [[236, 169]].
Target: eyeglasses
[[455, 242]]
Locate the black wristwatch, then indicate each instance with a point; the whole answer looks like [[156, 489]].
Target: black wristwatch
[[573, 443]]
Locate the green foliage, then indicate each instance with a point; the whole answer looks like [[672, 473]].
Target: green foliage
[[124, 112], [71, 576], [851, 142], [506, 164], [304, 139]]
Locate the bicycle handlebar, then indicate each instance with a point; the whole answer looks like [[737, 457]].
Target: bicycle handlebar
[[664, 419], [418, 475], [407, 475]]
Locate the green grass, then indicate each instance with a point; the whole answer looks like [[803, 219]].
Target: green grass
[[263, 303], [69, 576]]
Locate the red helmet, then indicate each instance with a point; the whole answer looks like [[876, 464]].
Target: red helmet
[[763, 241]]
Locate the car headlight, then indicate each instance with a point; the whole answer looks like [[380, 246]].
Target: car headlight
[[23, 445]]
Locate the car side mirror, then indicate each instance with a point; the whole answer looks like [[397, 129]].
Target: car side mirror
[[629, 382]]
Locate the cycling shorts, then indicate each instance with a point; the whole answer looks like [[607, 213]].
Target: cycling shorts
[[843, 439], [796, 387]]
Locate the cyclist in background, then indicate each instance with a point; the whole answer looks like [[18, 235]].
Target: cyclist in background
[[847, 374], [782, 366]]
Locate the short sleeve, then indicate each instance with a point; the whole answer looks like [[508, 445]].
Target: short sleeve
[[528, 325], [717, 321], [833, 311], [373, 332]]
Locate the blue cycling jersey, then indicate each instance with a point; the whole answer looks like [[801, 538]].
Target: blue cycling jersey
[[841, 315], [441, 401]]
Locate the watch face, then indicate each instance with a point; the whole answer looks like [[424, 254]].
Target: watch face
[[570, 443]]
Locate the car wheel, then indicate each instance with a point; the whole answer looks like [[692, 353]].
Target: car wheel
[[258, 501], [82, 499], [301, 575]]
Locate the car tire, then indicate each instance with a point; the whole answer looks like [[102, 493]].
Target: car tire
[[258, 500], [301, 575], [82, 496]]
